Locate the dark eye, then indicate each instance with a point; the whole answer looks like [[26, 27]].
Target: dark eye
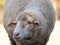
[[36, 24], [29, 22]]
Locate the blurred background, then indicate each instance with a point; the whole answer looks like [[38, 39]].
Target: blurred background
[[54, 37]]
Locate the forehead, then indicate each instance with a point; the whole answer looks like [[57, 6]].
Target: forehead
[[29, 18], [24, 18]]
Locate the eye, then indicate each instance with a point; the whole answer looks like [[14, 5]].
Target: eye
[[29, 22], [36, 23]]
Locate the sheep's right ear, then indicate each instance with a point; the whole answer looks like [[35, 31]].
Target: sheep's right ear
[[12, 24]]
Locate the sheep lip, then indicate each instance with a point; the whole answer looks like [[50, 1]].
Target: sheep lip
[[19, 38]]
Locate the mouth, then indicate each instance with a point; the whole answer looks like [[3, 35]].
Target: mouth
[[20, 38]]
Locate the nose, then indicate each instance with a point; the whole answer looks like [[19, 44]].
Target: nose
[[16, 34]]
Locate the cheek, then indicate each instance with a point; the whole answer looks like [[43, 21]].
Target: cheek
[[31, 27]]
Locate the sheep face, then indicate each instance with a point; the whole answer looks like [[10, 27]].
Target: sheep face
[[25, 27]]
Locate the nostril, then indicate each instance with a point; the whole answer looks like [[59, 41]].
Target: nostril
[[16, 34]]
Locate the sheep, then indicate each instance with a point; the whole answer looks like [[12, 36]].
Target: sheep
[[29, 22]]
